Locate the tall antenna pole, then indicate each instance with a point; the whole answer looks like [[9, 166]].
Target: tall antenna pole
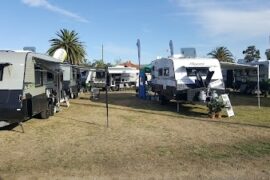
[[102, 53]]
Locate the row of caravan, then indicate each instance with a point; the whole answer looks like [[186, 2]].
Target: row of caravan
[[118, 77], [33, 84]]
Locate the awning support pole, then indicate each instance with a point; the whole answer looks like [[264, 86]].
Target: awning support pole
[[258, 86]]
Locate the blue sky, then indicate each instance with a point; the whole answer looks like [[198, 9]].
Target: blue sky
[[203, 24]]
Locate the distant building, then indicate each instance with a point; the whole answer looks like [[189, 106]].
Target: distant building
[[129, 64]]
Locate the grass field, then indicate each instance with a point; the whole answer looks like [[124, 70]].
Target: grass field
[[144, 140]]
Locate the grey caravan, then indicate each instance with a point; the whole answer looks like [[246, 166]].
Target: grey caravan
[[71, 75], [30, 84], [184, 79]]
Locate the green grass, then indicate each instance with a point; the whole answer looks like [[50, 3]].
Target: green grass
[[144, 138], [248, 149]]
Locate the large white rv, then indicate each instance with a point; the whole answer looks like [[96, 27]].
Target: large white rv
[[30, 84], [182, 78]]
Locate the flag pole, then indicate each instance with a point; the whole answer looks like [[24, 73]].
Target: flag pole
[[139, 59]]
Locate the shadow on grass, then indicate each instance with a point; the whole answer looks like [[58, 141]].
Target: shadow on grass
[[12, 127], [131, 101], [77, 120], [238, 99], [186, 112]]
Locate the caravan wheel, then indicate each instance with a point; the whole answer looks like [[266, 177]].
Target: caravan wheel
[[45, 114], [163, 100], [76, 95], [52, 109]]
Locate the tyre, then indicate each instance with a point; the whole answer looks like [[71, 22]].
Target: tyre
[[45, 114], [76, 95], [163, 100], [52, 109]]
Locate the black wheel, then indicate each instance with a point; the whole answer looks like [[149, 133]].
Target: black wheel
[[163, 100], [45, 114], [51, 109]]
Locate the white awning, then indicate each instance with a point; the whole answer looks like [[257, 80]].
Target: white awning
[[234, 66]]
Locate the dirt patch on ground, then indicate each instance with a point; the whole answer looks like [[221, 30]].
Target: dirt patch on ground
[[144, 141]]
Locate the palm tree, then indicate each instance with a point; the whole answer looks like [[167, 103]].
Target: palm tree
[[69, 41], [222, 54]]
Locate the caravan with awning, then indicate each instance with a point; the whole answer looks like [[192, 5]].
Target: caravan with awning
[[182, 78], [30, 84]]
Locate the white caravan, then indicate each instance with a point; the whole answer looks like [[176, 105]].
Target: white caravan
[[121, 76], [30, 84], [86, 75], [264, 68], [182, 78]]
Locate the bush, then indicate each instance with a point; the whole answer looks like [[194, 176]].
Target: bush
[[215, 105], [265, 87]]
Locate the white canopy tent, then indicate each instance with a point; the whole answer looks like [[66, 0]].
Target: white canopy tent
[[236, 66]]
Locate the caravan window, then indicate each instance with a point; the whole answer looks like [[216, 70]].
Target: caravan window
[[49, 77], [1, 73], [160, 72], [193, 70], [38, 76], [74, 74], [100, 74], [166, 72]]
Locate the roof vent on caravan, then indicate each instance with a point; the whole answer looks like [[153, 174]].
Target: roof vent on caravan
[[60, 54], [178, 56], [31, 49], [189, 52]]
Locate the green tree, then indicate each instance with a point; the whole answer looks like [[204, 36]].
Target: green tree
[[99, 63], [251, 54], [222, 54], [69, 41], [267, 53]]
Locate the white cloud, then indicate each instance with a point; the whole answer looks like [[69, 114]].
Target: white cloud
[[243, 18], [45, 4]]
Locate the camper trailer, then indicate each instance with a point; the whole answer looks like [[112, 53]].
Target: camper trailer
[[71, 78], [121, 77], [86, 75], [30, 84], [183, 78], [98, 79]]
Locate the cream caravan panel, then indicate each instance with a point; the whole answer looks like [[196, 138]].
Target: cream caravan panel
[[180, 66], [29, 80], [163, 73], [12, 74]]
